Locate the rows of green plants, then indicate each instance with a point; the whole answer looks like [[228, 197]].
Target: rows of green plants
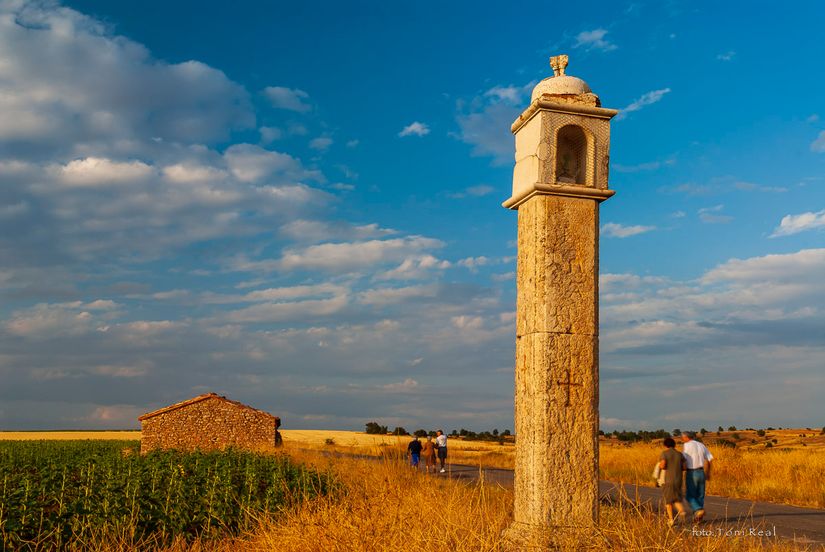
[[54, 493]]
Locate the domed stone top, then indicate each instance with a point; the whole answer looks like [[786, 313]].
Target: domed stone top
[[564, 88]]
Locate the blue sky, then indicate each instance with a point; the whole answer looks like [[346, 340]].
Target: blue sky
[[298, 206]]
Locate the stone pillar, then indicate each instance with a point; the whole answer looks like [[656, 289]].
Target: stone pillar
[[557, 325]]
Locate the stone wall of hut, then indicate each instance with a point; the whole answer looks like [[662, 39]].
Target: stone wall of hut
[[210, 424]]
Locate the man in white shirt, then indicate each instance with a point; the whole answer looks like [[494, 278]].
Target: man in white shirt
[[441, 444], [697, 460]]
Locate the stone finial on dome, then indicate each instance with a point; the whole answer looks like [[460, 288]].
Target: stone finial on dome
[[564, 88], [559, 64]]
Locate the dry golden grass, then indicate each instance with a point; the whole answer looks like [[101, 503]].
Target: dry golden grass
[[772, 475], [782, 474], [388, 507]]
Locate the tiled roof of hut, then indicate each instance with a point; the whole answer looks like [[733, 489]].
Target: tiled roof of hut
[[197, 399]]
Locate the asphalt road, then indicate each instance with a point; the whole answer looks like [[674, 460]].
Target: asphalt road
[[722, 514]]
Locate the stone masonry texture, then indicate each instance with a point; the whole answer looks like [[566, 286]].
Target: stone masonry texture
[[556, 384], [208, 422]]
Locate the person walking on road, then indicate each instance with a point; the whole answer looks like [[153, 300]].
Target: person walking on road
[[698, 461], [428, 453], [441, 443], [414, 450], [673, 462]]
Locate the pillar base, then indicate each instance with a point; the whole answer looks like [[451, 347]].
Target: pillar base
[[524, 537]]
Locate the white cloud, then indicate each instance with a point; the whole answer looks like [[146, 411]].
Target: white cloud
[[291, 99], [270, 134], [69, 83], [289, 311], [473, 263], [806, 265], [648, 98], [511, 94], [351, 255], [188, 173], [415, 129], [48, 320], [414, 268], [322, 143], [614, 230], [594, 39], [712, 215], [390, 296], [793, 224], [250, 163], [96, 171], [473, 191], [649, 166], [488, 131], [726, 56], [818, 145]]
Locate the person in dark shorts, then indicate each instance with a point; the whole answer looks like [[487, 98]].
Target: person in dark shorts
[[414, 450], [441, 443], [672, 461]]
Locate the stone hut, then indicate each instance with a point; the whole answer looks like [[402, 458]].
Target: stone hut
[[209, 422]]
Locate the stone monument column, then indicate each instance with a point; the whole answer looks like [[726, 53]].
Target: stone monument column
[[560, 177]]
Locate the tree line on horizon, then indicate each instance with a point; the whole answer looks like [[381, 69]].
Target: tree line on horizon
[[630, 436], [374, 428]]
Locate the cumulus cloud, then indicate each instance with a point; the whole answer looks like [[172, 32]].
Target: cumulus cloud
[[594, 39], [793, 224], [614, 230], [93, 87], [96, 171], [291, 99], [415, 129], [648, 98]]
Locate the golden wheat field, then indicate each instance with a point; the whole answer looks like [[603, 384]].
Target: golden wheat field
[[785, 473]]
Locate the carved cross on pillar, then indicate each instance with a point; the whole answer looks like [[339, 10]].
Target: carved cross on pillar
[[559, 64], [568, 384]]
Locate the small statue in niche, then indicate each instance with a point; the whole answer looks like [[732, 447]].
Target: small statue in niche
[[567, 166]]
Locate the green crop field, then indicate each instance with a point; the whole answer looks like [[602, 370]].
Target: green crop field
[[56, 493]]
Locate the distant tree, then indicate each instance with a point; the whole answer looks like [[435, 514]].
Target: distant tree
[[420, 433], [703, 431], [495, 432], [373, 428], [823, 431], [463, 432], [506, 432], [736, 436], [774, 441], [676, 432], [720, 429], [399, 431], [601, 433], [732, 428], [768, 445], [760, 432]]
